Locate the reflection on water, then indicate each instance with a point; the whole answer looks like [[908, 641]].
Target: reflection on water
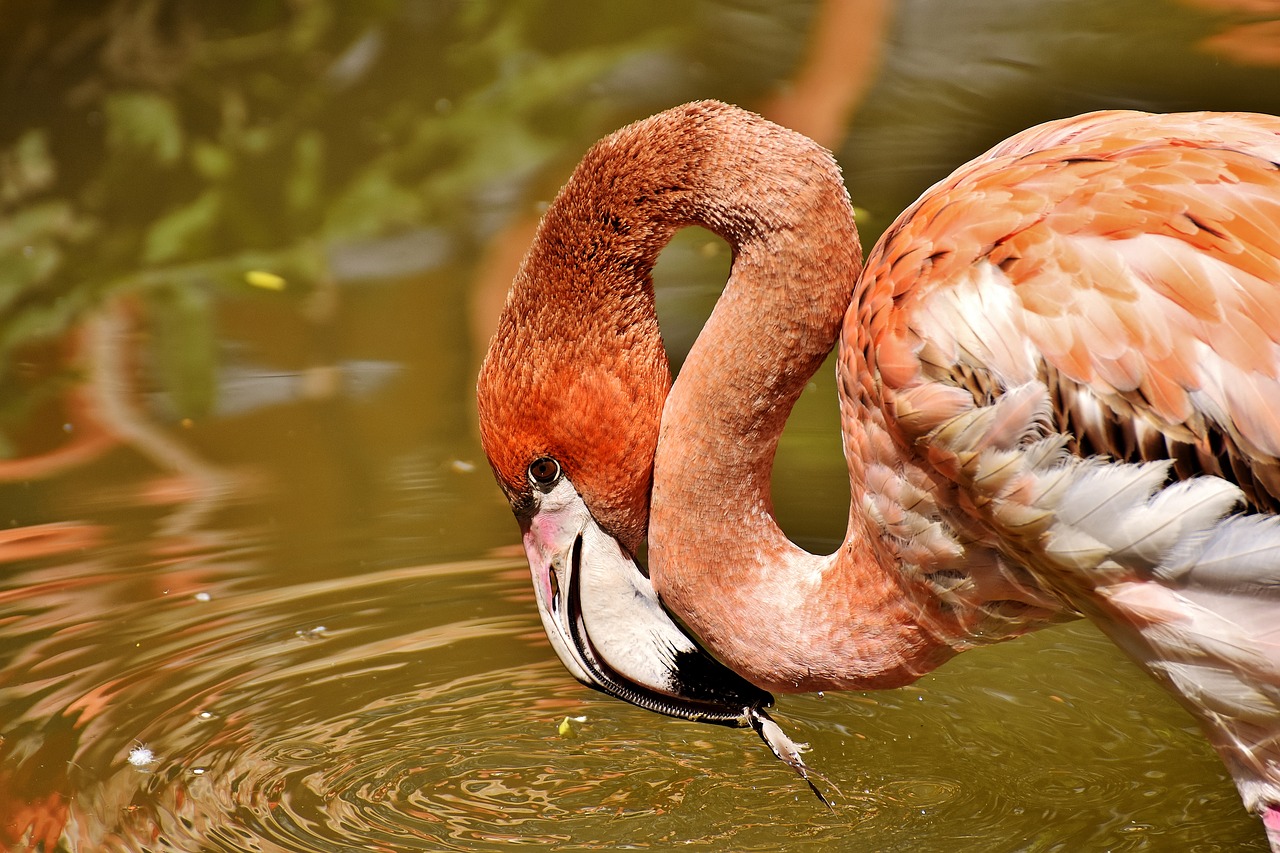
[[188, 705], [257, 590]]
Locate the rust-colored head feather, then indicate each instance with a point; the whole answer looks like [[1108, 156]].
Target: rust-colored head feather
[[576, 370]]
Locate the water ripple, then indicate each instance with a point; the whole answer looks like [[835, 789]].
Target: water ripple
[[418, 708]]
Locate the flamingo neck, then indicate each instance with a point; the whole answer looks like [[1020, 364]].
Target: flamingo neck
[[785, 619]]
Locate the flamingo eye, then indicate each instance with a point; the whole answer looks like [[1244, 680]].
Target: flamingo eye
[[544, 472]]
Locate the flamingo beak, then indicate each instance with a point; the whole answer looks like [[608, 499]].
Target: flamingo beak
[[608, 627], [605, 621]]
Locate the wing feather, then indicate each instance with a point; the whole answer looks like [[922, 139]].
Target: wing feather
[[1082, 331], [1137, 257]]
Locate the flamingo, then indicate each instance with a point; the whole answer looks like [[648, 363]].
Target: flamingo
[[1059, 389]]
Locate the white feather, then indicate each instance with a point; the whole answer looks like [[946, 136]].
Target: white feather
[[1241, 554], [1101, 495]]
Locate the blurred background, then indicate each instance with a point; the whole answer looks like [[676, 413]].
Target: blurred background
[[258, 590]]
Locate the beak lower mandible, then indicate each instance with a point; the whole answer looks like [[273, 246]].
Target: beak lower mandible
[[608, 627]]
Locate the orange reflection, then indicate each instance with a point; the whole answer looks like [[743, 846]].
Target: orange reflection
[[1257, 43], [47, 540], [844, 54], [33, 824], [1244, 42]]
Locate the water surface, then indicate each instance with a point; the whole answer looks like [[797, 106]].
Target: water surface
[[258, 590]]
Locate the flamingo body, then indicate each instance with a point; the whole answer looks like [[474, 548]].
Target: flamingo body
[[1059, 380], [1120, 304]]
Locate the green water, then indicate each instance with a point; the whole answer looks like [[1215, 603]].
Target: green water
[[245, 522]]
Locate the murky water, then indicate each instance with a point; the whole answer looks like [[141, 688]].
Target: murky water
[[257, 589]]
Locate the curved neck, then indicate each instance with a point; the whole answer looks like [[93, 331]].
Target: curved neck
[[785, 619], [771, 330]]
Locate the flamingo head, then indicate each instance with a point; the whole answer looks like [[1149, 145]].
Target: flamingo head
[[570, 399]]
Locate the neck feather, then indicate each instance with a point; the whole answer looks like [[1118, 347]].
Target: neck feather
[[785, 619]]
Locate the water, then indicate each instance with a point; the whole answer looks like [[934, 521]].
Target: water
[[417, 708], [259, 591]]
